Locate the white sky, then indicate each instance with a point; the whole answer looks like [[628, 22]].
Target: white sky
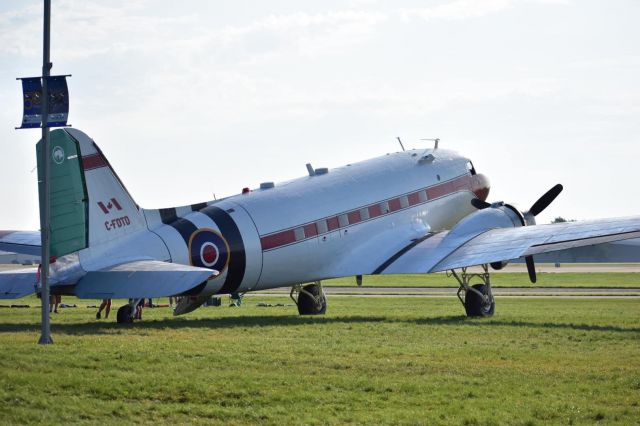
[[194, 97]]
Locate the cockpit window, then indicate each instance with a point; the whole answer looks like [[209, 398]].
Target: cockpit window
[[471, 169]]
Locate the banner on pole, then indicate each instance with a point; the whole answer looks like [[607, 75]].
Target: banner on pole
[[58, 93]]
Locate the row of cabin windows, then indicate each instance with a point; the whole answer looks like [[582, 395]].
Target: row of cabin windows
[[341, 221]]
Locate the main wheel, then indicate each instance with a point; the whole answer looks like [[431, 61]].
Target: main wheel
[[308, 305], [478, 306], [125, 314]]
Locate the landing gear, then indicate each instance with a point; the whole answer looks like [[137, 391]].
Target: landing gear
[[125, 314], [477, 299], [310, 299]]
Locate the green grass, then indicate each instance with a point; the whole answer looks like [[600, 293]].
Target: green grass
[[506, 279], [368, 361]]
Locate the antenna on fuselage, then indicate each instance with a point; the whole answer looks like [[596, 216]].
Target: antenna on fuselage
[[401, 146], [310, 169], [436, 140]]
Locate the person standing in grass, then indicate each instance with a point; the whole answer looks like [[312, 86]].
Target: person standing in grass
[[106, 303], [54, 301], [138, 312]]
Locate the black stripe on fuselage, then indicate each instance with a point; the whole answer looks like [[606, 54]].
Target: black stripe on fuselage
[[185, 227], [198, 207], [237, 255], [396, 256], [168, 215]]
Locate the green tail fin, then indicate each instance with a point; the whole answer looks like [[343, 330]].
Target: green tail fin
[[68, 195]]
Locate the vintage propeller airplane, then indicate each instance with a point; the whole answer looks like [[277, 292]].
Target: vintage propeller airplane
[[415, 211]]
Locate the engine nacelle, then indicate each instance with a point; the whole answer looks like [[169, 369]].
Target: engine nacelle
[[496, 266], [499, 215]]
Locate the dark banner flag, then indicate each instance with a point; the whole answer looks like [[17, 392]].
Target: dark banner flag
[[32, 96], [58, 101]]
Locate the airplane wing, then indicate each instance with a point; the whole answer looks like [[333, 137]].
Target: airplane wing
[[21, 242], [17, 283], [147, 278], [448, 250]]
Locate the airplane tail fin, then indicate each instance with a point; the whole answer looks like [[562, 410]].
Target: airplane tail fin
[[89, 203]]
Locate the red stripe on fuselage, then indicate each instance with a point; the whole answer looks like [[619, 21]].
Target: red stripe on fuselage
[[287, 236], [310, 230], [354, 217], [93, 161], [278, 239]]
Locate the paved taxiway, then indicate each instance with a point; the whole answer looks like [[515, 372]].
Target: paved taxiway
[[451, 291]]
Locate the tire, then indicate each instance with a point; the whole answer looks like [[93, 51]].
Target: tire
[[307, 304], [474, 305], [125, 315]]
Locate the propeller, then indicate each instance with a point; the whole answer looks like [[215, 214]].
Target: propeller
[[528, 218], [544, 201], [479, 204]]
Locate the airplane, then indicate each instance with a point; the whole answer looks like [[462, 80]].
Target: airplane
[[410, 212]]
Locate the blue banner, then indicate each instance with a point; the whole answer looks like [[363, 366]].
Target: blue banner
[[58, 101], [32, 97]]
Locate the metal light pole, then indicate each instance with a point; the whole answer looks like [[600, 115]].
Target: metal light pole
[[45, 336]]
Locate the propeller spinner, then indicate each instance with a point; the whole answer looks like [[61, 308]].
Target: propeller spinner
[[528, 218]]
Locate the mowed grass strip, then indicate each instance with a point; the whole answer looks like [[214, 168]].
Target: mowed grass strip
[[368, 361], [505, 279]]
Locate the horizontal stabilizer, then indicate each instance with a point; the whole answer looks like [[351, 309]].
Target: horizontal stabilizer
[[17, 283], [21, 242], [147, 278]]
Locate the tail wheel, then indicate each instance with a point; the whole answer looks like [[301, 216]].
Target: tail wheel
[[125, 314], [311, 300], [477, 305]]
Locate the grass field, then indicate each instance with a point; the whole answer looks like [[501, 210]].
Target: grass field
[[368, 361], [507, 279]]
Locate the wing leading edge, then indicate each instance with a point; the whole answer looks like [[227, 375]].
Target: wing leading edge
[[21, 242], [444, 251]]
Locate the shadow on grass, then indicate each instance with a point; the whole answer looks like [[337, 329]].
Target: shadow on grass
[[295, 320]]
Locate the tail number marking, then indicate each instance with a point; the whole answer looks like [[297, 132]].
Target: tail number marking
[[120, 222]]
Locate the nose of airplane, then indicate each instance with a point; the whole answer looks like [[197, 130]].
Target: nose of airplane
[[480, 186]]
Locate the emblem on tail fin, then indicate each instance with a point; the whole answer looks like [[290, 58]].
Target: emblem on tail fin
[[112, 204], [57, 155]]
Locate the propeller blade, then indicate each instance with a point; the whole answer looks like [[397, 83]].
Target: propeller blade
[[531, 268], [544, 201], [479, 204]]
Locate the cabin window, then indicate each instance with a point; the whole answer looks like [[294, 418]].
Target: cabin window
[[404, 202], [322, 226], [299, 233], [384, 207], [343, 220], [422, 195], [470, 168], [364, 214]]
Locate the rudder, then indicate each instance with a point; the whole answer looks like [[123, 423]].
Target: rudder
[[89, 203]]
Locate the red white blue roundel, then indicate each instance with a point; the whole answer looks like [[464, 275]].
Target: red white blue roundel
[[208, 249]]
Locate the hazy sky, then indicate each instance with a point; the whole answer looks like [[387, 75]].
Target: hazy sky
[[191, 98]]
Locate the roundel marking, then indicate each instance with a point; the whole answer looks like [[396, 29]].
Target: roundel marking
[[209, 249]]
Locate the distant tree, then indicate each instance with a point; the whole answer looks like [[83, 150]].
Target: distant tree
[[561, 219]]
